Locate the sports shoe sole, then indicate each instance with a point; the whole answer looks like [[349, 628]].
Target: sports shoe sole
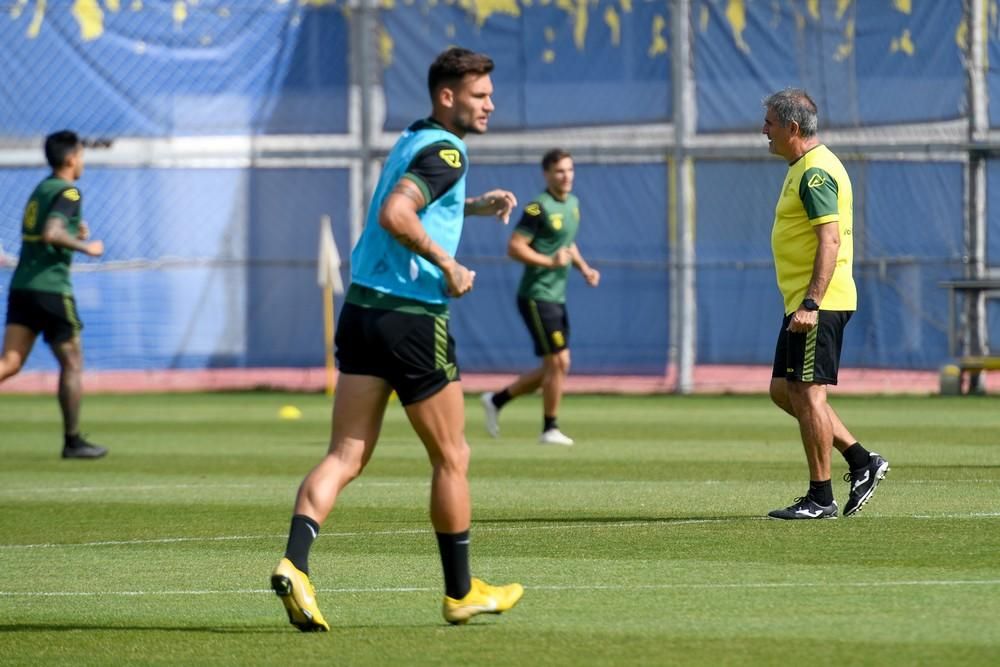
[[467, 612], [463, 614], [88, 454], [282, 586], [879, 476]]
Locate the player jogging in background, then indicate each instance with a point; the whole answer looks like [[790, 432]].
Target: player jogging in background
[[41, 294], [812, 241], [393, 335], [545, 242]]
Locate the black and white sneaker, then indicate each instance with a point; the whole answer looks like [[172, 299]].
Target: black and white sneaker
[[79, 448], [806, 508], [863, 483]]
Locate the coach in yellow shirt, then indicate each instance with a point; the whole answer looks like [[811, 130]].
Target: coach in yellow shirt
[[813, 251]]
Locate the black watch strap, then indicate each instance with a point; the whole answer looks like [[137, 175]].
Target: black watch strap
[[810, 304]]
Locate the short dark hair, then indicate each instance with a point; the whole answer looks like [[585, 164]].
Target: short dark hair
[[59, 146], [553, 156], [451, 65], [794, 104]]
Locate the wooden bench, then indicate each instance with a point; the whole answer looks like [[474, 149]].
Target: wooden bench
[[953, 375]]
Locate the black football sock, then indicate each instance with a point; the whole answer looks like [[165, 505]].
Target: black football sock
[[454, 548], [502, 398], [300, 538], [821, 492], [856, 456], [550, 423]]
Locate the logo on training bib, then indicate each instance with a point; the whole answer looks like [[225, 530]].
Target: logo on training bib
[[816, 181], [557, 220], [451, 157]]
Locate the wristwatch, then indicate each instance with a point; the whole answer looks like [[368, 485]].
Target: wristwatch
[[810, 304]]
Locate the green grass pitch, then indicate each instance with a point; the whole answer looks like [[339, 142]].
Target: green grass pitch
[[643, 544]]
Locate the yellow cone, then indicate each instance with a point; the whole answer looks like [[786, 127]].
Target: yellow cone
[[289, 412]]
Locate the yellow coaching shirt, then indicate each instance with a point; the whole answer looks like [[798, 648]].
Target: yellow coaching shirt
[[817, 191]]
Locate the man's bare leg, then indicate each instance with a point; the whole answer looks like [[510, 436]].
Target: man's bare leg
[[69, 353], [526, 383], [842, 438], [555, 369], [358, 410], [17, 343], [808, 401], [70, 356], [440, 422]]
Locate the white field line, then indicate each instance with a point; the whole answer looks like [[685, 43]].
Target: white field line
[[15, 491], [170, 487], [550, 587], [667, 523], [401, 531], [972, 515]]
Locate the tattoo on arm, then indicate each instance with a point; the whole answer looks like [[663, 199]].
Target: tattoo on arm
[[422, 245], [419, 243], [410, 192], [55, 234]]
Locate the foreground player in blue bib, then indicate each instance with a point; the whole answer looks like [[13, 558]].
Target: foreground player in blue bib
[[393, 335]]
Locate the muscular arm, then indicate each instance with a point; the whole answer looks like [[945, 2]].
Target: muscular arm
[[499, 203], [398, 216], [590, 274], [55, 233], [823, 265], [519, 248]]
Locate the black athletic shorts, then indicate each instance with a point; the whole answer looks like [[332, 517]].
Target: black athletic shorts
[[547, 323], [813, 356], [53, 315], [415, 354]]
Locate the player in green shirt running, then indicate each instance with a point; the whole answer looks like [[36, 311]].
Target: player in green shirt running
[[41, 295], [544, 241]]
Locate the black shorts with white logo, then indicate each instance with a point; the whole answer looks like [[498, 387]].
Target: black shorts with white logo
[[414, 353], [53, 315], [548, 324], [813, 356]]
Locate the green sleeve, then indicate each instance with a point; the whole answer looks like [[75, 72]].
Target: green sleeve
[[818, 192]]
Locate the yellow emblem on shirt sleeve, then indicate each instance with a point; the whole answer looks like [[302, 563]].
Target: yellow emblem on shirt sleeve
[[71, 194], [816, 181], [533, 209], [451, 157], [31, 215]]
